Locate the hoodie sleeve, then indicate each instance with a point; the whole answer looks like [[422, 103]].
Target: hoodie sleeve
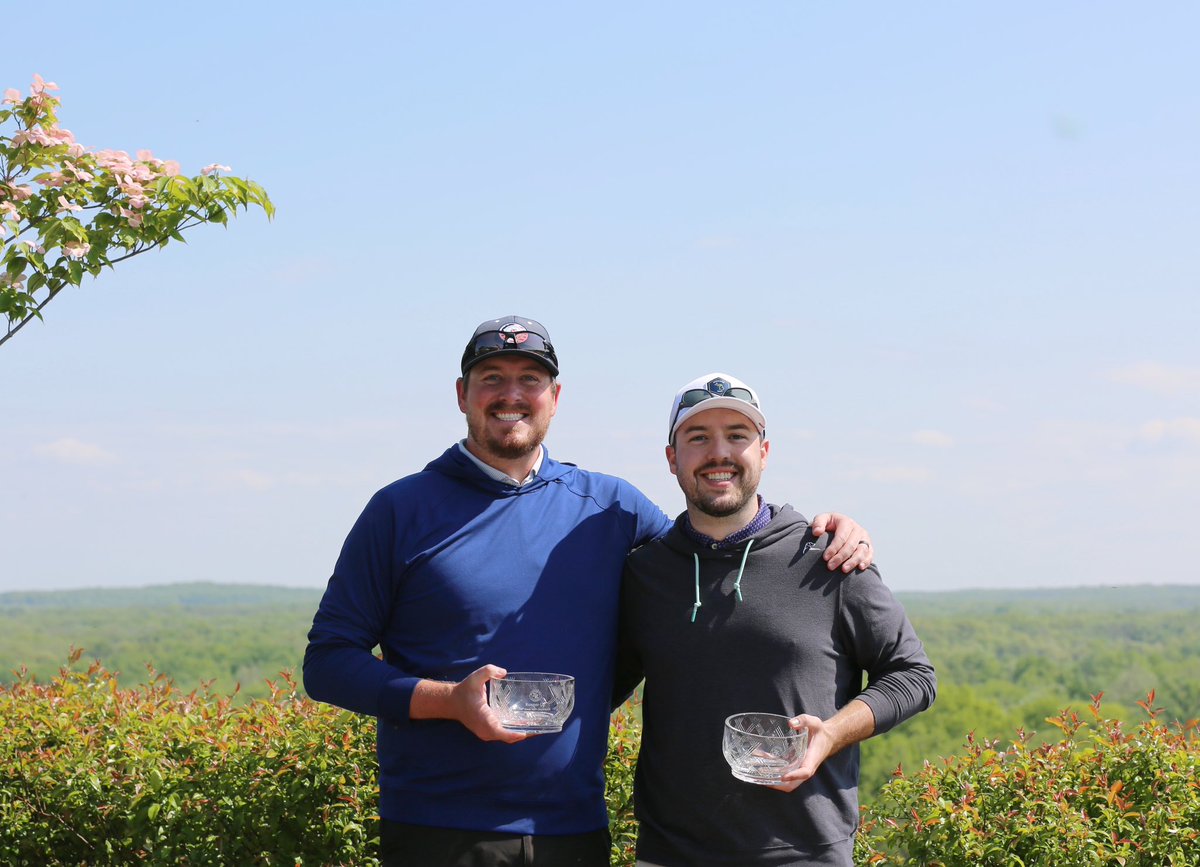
[[900, 679], [340, 666], [652, 522]]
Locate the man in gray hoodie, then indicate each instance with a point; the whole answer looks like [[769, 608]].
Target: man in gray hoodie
[[734, 611]]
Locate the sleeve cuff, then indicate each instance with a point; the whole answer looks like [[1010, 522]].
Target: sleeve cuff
[[395, 698]]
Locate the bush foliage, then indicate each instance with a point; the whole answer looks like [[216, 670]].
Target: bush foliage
[[624, 740], [93, 773], [1098, 795]]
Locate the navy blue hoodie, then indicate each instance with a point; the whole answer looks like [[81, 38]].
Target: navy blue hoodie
[[447, 570]]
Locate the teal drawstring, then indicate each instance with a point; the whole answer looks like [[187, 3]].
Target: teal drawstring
[[737, 584]]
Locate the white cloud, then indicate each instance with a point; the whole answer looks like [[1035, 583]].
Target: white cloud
[[896, 474], [1178, 429], [935, 438], [252, 479], [72, 451], [1164, 379]]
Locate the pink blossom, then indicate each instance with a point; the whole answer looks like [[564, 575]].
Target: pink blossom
[[64, 206], [76, 150], [132, 188], [117, 162], [20, 194], [76, 249], [12, 96], [54, 179], [134, 218], [145, 155], [34, 248], [40, 85], [8, 208], [37, 136], [215, 167], [170, 168]]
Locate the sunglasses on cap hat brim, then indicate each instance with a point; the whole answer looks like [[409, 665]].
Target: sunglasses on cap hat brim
[[717, 388], [489, 342]]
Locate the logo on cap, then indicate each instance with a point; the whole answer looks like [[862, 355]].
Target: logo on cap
[[515, 333], [718, 387]]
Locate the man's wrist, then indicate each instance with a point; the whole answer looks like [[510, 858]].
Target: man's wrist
[[852, 724], [431, 699]]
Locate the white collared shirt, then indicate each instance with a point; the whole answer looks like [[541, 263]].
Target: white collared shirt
[[501, 476]]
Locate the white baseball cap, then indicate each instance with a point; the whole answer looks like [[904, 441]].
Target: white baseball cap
[[715, 391]]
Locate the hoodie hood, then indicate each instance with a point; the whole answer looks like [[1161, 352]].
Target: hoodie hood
[[454, 464], [785, 522]]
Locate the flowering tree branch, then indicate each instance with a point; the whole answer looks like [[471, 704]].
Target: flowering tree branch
[[66, 210]]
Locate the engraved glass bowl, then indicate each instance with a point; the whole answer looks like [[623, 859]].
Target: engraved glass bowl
[[532, 701], [761, 747]]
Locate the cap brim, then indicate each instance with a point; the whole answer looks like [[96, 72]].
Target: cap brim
[[538, 357], [736, 404]]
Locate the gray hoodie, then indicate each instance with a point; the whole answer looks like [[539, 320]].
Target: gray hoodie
[[799, 640]]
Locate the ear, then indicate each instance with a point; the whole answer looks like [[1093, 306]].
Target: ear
[[460, 387], [766, 449], [671, 460], [557, 386]]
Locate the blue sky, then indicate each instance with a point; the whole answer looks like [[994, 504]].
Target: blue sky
[[952, 245]]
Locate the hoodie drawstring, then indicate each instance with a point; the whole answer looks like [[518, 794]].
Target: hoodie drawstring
[[737, 584]]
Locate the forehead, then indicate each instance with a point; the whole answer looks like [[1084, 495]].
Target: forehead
[[508, 365], [718, 418]]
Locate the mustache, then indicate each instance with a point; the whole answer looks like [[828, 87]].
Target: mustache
[[719, 465]]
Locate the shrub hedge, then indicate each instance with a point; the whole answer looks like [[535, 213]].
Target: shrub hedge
[[1097, 795], [93, 774]]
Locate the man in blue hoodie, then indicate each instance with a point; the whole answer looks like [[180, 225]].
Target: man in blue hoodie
[[495, 557]]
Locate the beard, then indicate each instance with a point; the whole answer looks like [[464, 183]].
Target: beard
[[515, 443], [726, 503]]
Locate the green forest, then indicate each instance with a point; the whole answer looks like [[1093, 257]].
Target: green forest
[[1006, 660]]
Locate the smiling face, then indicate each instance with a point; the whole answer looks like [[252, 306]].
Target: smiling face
[[718, 458], [508, 401]]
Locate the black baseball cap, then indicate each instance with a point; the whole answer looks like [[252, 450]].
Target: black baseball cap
[[510, 335]]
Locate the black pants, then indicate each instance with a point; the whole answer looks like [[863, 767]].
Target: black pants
[[404, 845]]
